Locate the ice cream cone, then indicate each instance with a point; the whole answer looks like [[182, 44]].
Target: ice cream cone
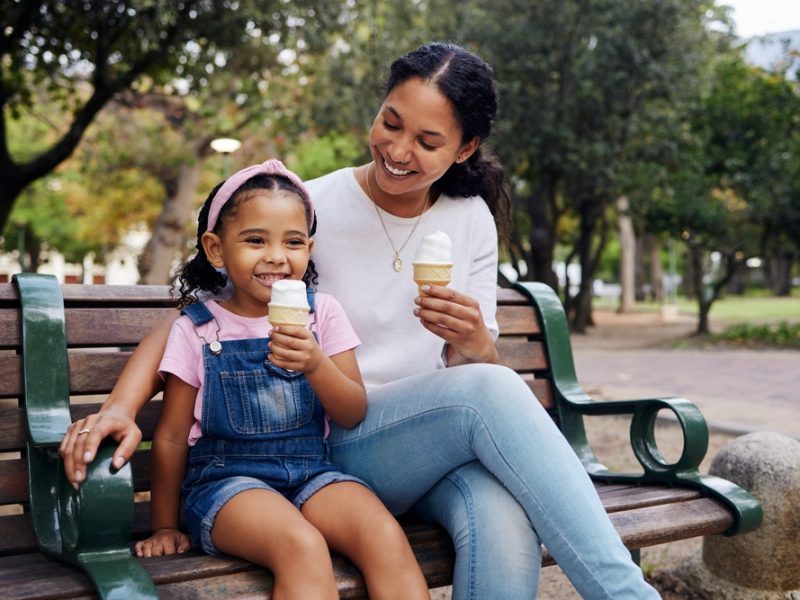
[[431, 274], [288, 315]]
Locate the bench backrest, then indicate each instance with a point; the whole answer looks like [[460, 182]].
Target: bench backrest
[[103, 324]]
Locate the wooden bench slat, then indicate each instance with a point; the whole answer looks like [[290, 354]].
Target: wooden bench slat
[[654, 525], [521, 354], [518, 320], [118, 327], [14, 478]]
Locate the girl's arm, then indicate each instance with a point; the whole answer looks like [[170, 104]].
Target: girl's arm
[[335, 379], [338, 385], [138, 383], [168, 460]]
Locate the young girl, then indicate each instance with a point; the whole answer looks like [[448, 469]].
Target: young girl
[[245, 407]]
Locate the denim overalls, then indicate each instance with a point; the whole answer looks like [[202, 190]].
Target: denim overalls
[[263, 428]]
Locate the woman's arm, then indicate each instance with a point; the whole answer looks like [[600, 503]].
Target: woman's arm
[[336, 379], [168, 460], [138, 383]]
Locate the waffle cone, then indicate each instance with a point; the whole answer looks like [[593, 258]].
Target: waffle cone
[[432, 274], [288, 315]]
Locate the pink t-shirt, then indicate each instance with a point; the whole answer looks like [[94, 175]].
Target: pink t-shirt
[[183, 356]]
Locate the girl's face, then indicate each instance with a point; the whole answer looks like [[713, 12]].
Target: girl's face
[[264, 240], [415, 138]]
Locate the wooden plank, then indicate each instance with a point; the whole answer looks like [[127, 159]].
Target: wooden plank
[[16, 535], [508, 296], [521, 354], [10, 328], [13, 481], [517, 320], [633, 497], [91, 327], [660, 524]]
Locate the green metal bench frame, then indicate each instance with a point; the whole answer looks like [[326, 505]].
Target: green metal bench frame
[[89, 527], [573, 403]]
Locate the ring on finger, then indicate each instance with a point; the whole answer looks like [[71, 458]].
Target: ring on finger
[[85, 430]]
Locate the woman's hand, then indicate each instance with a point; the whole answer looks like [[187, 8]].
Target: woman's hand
[[457, 319], [80, 443], [163, 541], [294, 347]]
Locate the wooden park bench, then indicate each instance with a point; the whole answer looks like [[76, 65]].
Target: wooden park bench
[[60, 357]]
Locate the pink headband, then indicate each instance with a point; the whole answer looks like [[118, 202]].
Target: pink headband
[[234, 182]]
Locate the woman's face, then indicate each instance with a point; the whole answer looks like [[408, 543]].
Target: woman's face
[[415, 138]]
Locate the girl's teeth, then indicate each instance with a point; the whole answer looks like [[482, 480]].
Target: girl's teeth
[[394, 171]]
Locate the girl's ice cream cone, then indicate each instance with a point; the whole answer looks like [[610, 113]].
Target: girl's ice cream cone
[[289, 304], [432, 262]]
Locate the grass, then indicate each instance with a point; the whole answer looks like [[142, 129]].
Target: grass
[[749, 308]]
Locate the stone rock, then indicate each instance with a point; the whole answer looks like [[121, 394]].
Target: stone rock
[[768, 466]]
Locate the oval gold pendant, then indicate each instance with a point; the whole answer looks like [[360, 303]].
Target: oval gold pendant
[[397, 264]]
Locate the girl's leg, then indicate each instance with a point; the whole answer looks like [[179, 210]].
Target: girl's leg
[[420, 428], [355, 523], [265, 528], [498, 554]]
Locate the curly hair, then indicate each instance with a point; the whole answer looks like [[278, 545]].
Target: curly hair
[[198, 273]]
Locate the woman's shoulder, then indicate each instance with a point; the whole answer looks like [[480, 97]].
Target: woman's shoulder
[[335, 178], [465, 208]]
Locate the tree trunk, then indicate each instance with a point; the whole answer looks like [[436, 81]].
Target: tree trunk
[[627, 257], [653, 246], [592, 213], [542, 210], [168, 242], [780, 273], [703, 304]]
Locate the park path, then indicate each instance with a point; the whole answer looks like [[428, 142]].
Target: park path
[[737, 390]]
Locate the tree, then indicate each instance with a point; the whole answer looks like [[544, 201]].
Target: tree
[[83, 53], [574, 76]]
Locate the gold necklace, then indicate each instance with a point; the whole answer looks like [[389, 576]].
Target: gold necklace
[[397, 264]]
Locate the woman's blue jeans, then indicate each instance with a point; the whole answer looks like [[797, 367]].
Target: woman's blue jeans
[[470, 447]]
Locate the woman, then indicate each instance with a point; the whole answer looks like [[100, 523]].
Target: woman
[[467, 446]]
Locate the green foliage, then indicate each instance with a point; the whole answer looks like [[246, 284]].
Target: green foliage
[[319, 155], [783, 334]]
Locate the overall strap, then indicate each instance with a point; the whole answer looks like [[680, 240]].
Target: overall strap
[[311, 296], [198, 313]]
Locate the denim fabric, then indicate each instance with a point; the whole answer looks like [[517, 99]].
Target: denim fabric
[[419, 443], [262, 429]]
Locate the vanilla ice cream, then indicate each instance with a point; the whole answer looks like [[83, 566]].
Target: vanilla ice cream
[[433, 260], [289, 303]]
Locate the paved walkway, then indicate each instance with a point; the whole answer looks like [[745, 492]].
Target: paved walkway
[[737, 390]]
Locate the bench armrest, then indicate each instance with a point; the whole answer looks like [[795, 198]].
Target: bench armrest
[[572, 404], [89, 527]]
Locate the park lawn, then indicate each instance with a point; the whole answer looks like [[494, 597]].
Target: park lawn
[[752, 308]]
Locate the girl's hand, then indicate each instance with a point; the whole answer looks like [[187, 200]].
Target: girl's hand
[[163, 541], [457, 319], [294, 347]]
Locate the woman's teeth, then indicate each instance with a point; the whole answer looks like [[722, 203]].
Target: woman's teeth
[[394, 171]]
